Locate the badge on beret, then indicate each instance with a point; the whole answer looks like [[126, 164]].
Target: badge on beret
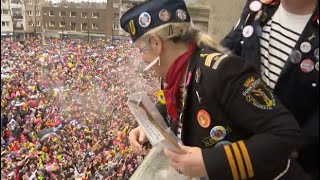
[[132, 27], [295, 57], [181, 15], [164, 15], [218, 133], [204, 118], [144, 19], [258, 94], [307, 66]]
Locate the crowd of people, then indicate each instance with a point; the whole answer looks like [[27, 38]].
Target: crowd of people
[[63, 108]]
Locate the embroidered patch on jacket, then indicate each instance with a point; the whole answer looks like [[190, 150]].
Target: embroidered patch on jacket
[[258, 94]]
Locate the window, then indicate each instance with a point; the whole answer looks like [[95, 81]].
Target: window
[[94, 26], [51, 13], [52, 24], [62, 14], [73, 14], [30, 13], [95, 15], [37, 13], [5, 12], [5, 23], [30, 2], [116, 26], [84, 26], [116, 16], [38, 23], [30, 23], [73, 26], [84, 15], [62, 24]]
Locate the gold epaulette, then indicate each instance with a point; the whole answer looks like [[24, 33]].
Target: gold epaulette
[[213, 60]]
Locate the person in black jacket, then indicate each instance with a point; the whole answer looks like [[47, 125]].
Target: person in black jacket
[[281, 40], [230, 124]]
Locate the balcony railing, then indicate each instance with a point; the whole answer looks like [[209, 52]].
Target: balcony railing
[[17, 16], [18, 28]]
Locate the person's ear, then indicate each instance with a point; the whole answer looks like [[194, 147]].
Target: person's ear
[[156, 43]]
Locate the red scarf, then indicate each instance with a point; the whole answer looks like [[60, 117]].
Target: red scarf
[[173, 80]]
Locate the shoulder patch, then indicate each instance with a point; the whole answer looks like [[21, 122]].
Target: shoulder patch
[[258, 94], [213, 60]]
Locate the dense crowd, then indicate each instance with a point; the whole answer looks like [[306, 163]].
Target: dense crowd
[[63, 108]]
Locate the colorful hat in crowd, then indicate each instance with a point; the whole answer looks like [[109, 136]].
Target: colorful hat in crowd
[[153, 13]]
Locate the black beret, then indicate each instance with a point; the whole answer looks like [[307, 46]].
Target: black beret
[[153, 13]]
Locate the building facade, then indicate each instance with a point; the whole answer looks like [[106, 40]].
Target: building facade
[[200, 11], [33, 16], [12, 18], [68, 18]]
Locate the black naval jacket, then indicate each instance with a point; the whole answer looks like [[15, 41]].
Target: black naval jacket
[[260, 132], [298, 91]]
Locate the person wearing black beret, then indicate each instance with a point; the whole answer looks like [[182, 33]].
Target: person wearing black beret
[[230, 124]]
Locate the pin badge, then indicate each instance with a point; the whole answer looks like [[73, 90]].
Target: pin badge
[[305, 47], [222, 143], [132, 27], [307, 66], [164, 15], [316, 54], [198, 75], [247, 31], [144, 19], [255, 6], [204, 119], [295, 57], [218, 133], [181, 15], [266, 1], [317, 66]]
